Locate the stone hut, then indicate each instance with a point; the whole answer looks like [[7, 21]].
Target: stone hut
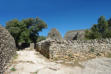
[[54, 34], [75, 35], [7, 48]]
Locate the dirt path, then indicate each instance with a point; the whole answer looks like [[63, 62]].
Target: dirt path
[[31, 62]]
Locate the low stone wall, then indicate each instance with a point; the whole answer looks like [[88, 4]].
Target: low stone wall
[[7, 48], [68, 50], [44, 48]]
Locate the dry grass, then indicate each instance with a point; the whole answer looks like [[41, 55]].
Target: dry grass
[[108, 55]]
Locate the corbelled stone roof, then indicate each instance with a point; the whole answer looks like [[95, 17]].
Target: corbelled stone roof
[[7, 48], [54, 34], [74, 35]]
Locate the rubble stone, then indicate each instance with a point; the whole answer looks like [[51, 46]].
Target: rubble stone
[[74, 49], [7, 48], [54, 34]]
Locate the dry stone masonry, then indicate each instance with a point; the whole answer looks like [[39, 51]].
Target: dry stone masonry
[[72, 50], [54, 34], [7, 48], [75, 35]]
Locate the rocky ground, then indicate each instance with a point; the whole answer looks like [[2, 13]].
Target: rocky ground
[[31, 62]]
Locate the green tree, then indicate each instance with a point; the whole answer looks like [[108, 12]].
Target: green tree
[[26, 30], [13, 27], [109, 22], [40, 38], [100, 30]]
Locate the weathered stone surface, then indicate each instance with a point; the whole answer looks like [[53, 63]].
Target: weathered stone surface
[[74, 35], [7, 48], [31, 62], [43, 47], [71, 50], [31, 45], [54, 34]]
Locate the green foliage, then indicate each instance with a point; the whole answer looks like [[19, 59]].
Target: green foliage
[[91, 50], [13, 69], [40, 38], [100, 30], [15, 56], [26, 30], [35, 73]]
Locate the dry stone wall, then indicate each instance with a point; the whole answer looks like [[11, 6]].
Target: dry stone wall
[[72, 50], [44, 48], [7, 48]]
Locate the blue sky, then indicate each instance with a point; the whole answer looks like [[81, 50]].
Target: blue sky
[[64, 15]]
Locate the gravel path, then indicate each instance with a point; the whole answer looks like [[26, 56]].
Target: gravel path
[[31, 62]]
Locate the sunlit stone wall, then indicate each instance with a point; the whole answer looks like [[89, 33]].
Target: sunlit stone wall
[[7, 48]]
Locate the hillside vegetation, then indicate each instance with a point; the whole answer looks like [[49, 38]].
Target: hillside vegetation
[[100, 30]]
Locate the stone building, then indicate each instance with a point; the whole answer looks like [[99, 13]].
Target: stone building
[[75, 35], [54, 34], [7, 48]]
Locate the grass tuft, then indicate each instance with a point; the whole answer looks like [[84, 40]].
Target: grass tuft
[[13, 69]]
